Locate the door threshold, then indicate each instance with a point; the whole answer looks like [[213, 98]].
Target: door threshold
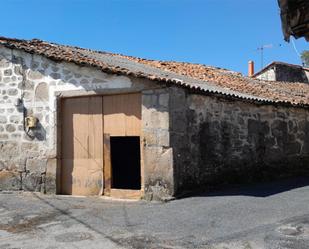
[[125, 193], [114, 199]]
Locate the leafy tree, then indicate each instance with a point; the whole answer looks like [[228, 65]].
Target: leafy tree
[[305, 57]]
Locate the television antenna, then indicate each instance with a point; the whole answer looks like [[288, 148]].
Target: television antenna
[[261, 50]]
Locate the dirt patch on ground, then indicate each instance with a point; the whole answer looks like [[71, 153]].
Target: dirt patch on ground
[[73, 237], [143, 241], [21, 224]]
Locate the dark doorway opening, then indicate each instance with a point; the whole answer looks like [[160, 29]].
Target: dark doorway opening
[[125, 160]]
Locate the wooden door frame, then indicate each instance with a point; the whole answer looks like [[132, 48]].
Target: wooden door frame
[[107, 167], [107, 174], [106, 148]]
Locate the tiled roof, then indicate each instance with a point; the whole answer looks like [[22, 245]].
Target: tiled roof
[[196, 77]]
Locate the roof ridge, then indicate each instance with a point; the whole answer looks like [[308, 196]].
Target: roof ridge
[[13, 39], [36, 40]]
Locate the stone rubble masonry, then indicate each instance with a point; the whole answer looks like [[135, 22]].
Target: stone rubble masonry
[[30, 163], [218, 141]]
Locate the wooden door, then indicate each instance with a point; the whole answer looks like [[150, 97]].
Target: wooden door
[[122, 117], [82, 146], [122, 114]]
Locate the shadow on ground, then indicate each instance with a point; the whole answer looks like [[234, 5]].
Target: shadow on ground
[[257, 190]]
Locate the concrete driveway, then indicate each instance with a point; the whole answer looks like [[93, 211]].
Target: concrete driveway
[[274, 215]]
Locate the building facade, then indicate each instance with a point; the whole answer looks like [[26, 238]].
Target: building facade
[[82, 122], [281, 71]]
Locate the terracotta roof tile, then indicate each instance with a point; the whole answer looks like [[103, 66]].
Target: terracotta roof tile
[[282, 91], [201, 78]]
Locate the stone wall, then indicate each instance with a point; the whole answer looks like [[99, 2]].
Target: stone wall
[[291, 74], [217, 141], [158, 153], [29, 161]]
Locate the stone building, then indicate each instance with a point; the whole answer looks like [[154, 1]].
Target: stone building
[[281, 71], [83, 122]]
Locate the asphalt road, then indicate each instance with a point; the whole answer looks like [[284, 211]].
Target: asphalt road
[[273, 215]]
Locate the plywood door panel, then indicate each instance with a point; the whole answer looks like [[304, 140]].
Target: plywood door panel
[[122, 117], [95, 145], [133, 115], [122, 114], [82, 146]]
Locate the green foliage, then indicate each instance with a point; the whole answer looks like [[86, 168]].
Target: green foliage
[[305, 57]]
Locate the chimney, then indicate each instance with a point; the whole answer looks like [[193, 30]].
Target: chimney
[[250, 68]]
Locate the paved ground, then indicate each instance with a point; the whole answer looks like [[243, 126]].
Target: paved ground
[[262, 216]]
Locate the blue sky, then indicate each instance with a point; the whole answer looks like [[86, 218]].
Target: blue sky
[[223, 33]]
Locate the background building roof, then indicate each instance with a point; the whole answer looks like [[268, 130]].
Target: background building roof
[[274, 63]]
